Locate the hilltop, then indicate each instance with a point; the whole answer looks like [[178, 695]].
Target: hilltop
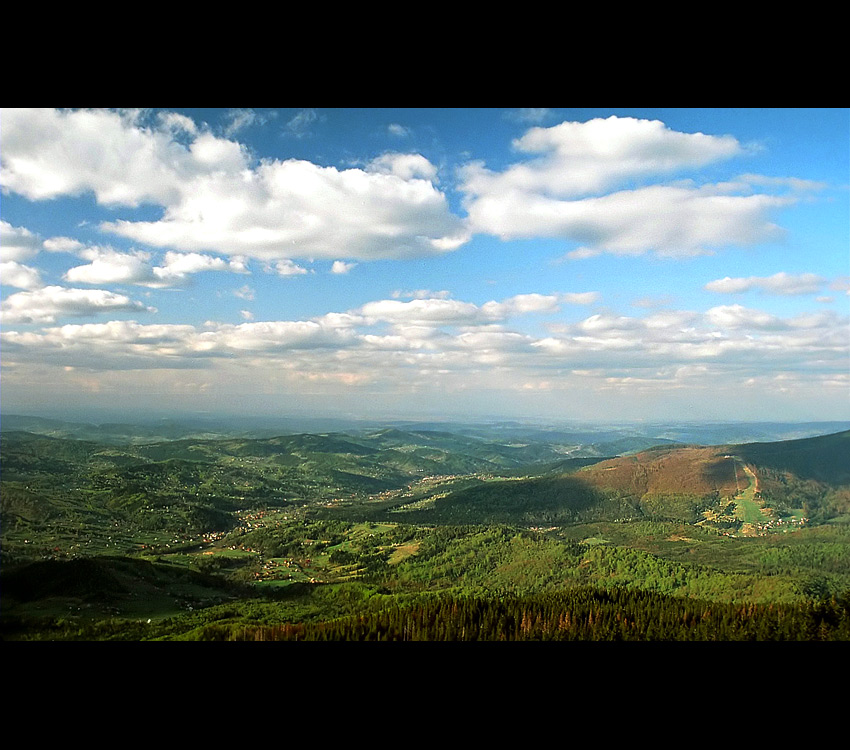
[[808, 478]]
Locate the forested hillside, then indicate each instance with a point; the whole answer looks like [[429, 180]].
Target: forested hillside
[[422, 534]]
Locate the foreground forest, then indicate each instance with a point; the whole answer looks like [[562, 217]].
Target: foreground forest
[[417, 533]]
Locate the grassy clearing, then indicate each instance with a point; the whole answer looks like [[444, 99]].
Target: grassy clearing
[[403, 551], [748, 510]]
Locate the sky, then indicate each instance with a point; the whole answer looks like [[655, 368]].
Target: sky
[[448, 263]]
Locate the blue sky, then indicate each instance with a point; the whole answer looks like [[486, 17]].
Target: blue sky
[[558, 263]]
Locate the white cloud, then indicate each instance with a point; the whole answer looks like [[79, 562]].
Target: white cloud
[[737, 316], [521, 304], [63, 245], [443, 346], [605, 323], [296, 209], [570, 186], [276, 336], [667, 319], [779, 283], [109, 266], [404, 166], [288, 268], [422, 312], [178, 123], [238, 264], [581, 158], [420, 294], [340, 267], [179, 266], [439, 310], [399, 131], [673, 221], [49, 153], [49, 303], [17, 243], [19, 276], [216, 199]]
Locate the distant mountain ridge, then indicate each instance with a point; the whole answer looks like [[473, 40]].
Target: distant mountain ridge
[[629, 437]]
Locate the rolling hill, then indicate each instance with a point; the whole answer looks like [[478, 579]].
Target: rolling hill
[[347, 523], [809, 477]]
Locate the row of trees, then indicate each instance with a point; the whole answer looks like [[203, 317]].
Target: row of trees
[[585, 614]]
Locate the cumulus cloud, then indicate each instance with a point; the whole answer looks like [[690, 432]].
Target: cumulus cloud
[[737, 316], [51, 302], [580, 158], [288, 268], [779, 283], [604, 323], [177, 123], [296, 209], [17, 243], [440, 310], [109, 266], [20, 276], [215, 198], [63, 245], [405, 166], [178, 267], [422, 312], [521, 304], [672, 221], [341, 267], [572, 186], [49, 153], [275, 336], [575, 181]]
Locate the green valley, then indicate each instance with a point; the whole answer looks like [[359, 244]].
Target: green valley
[[410, 532]]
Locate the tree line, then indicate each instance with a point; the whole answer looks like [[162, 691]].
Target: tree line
[[583, 614]]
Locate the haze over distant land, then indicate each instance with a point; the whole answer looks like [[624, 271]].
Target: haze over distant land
[[609, 265]]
